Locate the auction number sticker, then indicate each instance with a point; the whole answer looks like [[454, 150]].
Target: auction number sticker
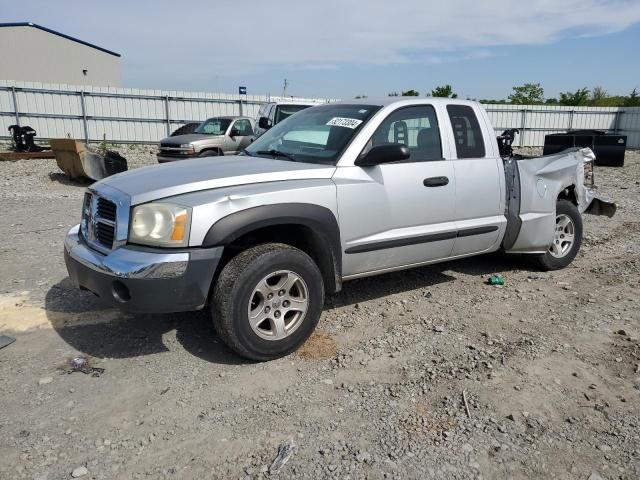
[[344, 122]]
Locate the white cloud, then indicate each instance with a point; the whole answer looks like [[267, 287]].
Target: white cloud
[[333, 32], [199, 36]]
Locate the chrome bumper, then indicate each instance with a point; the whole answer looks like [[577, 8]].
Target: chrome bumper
[[142, 280], [124, 262]]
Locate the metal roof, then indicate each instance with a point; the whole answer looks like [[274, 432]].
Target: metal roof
[[68, 37]]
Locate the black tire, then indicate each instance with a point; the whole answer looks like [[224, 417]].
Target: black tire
[[114, 163], [185, 129], [549, 261], [211, 153], [234, 290]]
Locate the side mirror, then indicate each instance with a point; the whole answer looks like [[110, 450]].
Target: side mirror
[[234, 132], [263, 122], [384, 154]]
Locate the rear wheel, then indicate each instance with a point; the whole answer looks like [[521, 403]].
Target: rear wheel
[[267, 301], [567, 238]]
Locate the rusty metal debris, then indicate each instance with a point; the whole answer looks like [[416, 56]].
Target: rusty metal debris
[[81, 364]]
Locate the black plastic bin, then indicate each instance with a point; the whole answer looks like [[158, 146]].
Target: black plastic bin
[[608, 147]]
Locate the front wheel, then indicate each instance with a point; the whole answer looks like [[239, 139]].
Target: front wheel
[[567, 238], [267, 301], [211, 153]]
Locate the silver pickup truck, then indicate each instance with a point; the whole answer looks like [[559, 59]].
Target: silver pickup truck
[[333, 193]]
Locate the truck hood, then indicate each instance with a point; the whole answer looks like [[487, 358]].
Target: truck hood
[[191, 138], [186, 176]]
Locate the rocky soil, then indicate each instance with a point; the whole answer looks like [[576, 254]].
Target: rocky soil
[[428, 373]]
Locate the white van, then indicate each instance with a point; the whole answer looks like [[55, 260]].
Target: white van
[[274, 112]]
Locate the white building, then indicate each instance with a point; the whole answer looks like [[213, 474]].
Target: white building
[[33, 53]]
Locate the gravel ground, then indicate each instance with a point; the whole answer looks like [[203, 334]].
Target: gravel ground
[[548, 365]]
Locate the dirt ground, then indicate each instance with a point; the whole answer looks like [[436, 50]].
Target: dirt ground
[[548, 366]]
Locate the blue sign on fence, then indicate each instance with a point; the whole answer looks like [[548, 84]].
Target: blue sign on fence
[[242, 90]]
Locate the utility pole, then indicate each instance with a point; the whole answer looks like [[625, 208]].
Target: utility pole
[[284, 88]]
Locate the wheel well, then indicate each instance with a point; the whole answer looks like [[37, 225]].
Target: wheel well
[[569, 194], [212, 149], [299, 236]]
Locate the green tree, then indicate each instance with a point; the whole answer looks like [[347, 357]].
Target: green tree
[[601, 98], [551, 101], [633, 100], [393, 94], [358, 97], [444, 91], [579, 98], [598, 95], [527, 94], [411, 93]]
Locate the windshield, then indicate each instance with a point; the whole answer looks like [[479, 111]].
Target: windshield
[[314, 135], [285, 111], [214, 126]]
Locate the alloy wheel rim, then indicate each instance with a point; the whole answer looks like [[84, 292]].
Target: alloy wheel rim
[[563, 237], [278, 305]]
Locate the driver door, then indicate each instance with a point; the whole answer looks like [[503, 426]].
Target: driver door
[[245, 129], [238, 136], [398, 214]]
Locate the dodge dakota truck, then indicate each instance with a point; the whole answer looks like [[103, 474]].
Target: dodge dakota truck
[[333, 193]]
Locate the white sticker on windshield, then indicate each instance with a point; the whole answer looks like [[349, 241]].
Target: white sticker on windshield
[[344, 122]]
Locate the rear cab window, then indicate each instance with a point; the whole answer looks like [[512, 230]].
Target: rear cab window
[[466, 131]]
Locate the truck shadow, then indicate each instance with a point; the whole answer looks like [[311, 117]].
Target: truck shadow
[[83, 321], [90, 327], [63, 179]]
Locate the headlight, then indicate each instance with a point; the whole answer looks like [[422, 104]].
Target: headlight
[[162, 224]]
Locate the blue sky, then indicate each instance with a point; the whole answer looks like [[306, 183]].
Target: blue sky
[[342, 48]]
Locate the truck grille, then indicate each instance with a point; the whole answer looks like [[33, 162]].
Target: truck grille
[[105, 234], [99, 221], [106, 209]]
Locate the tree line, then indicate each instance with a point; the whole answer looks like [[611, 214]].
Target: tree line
[[533, 94]]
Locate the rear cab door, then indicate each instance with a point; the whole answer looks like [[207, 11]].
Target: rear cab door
[[479, 172]]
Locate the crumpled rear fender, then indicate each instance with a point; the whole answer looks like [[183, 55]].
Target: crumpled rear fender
[[599, 206], [542, 180]]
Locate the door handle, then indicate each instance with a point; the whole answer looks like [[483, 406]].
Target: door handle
[[436, 181]]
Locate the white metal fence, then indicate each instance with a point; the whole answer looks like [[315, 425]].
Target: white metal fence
[[536, 121], [119, 115], [123, 115]]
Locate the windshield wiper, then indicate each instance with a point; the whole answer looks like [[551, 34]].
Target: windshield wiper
[[246, 152], [277, 153]]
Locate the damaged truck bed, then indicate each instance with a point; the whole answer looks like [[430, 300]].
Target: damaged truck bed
[[533, 186]]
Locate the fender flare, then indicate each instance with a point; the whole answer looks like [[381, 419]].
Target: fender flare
[[318, 219]]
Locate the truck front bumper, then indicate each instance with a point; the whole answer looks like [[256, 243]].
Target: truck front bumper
[[143, 280], [173, 158]]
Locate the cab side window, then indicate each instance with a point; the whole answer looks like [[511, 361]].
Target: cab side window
[[244, 127], [414, 127], [466, 131]]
